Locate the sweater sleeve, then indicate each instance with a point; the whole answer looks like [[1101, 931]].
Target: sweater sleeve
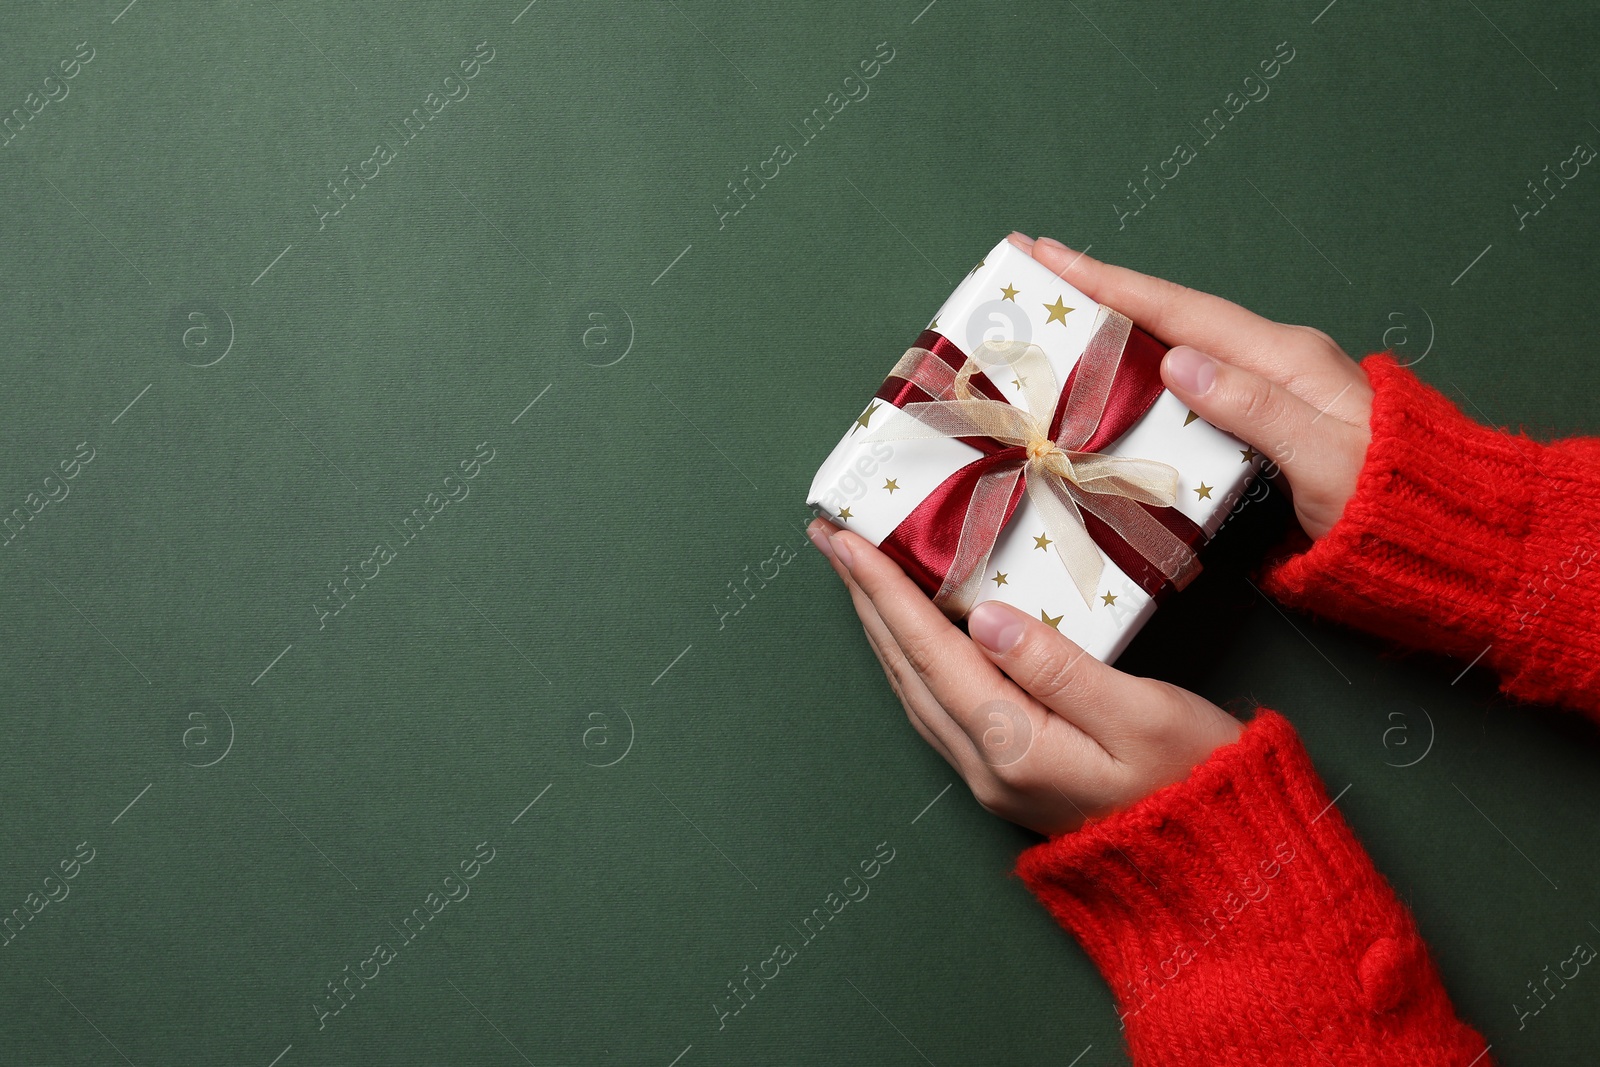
[[1464, 540], [1237, 920]]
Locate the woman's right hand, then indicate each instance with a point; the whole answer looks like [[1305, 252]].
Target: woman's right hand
[[1288, 391]]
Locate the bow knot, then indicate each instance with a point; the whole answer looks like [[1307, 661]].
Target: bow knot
[[1041, 447], [1062, 482]]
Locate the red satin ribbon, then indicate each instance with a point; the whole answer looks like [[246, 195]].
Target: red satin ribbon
[[924, 544]]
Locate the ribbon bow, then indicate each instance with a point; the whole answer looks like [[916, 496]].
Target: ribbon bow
[[1063, 482]]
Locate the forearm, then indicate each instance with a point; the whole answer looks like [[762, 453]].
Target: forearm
[[1237, 920], [1473, 542]]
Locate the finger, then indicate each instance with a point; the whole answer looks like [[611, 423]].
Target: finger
[[819, 530], [1109, 706], [927, 716], [957, 674], [912, 716], [1178, 315], [1174, 313], [1309, 445]]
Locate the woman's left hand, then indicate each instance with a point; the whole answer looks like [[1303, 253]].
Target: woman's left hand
[[1063, 739]]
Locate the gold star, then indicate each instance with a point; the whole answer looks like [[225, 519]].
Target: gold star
[[935, 325], [1054, 622], [1191, 418], [1058, 312], [1248, 454], [1108, 599], [891, 484], [1019, 381], [1204, 492], [1042, 542], [1010, 293], [866, 415], [844, 513], [999, 578], [974, 270]]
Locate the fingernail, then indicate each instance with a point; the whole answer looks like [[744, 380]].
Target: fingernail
[[995, 626], [841, 549], [1021, 240], [1051, 242], [820, 539], [1190, 370]]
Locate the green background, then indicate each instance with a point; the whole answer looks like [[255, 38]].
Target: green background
[[554, 236]]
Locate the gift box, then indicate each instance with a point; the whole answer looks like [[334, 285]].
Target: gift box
[[1025, 450]]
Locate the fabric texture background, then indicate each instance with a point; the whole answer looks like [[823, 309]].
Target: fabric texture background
[[439, 387]]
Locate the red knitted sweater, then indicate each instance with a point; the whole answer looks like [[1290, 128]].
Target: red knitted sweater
[[1234, 914]]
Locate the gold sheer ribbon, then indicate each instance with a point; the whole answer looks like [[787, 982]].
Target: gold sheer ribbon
[[1061, 481]]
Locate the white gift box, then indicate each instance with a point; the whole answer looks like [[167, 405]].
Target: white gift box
[[870, 487]]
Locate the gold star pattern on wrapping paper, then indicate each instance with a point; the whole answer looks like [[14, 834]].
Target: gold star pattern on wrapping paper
[[1108, 599], [1042, 542], [1019, 381], [1009, 293], [1053, 620], [844, 513], [891, 484], [1058, 312], [999, 578], [975, 270], [1204, 492], [1249, 454], [1190, 418], [866, 416], [934, 325]]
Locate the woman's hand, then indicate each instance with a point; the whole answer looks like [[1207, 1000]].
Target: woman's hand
[[1289, 391], [1064, 739]]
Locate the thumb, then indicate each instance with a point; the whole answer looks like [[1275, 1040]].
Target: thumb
[[1060, 675], [1320, 454], [1278, 424], [1150, 723]]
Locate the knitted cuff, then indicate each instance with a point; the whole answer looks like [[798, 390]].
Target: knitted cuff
[[1464, 540], [1238, 921]]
